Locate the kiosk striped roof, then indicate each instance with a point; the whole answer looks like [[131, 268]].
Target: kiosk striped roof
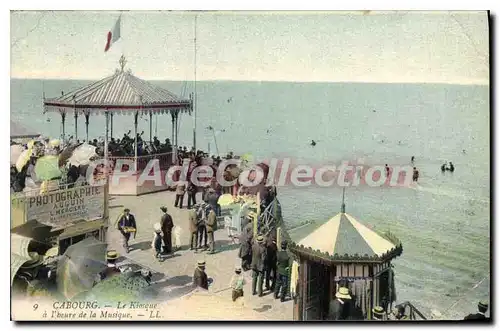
[[343, 235]]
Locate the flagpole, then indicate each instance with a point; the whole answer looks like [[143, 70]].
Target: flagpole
[[195, 95]]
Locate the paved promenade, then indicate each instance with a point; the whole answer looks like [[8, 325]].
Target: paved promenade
[[177, 270]]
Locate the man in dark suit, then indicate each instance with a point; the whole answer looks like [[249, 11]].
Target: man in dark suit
[[482, 308], [270, 263], [259, 253], [127, 225], [339, 306], [166, 223]]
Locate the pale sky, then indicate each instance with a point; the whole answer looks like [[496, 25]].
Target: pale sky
[[438, 47]]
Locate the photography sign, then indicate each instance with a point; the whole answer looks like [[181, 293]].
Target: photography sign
[[63, 207]]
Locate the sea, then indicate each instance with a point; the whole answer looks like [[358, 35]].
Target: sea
[[443, 221]]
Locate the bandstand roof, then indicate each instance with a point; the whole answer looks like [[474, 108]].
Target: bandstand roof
[[121, 93], [343, 238], [19, 131]]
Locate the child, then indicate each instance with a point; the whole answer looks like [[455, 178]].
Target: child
[[237, 283], [157, 241]]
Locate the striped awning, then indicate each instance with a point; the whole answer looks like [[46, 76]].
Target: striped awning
[[344, 237], [17, 131], [121, 93]]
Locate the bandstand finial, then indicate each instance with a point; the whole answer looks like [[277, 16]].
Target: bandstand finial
[[342, 210], [122, 62]]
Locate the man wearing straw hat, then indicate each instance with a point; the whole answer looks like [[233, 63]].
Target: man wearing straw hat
[[378, 314], [482, 308], [200, 278], [237, 282], [111, 269], [259, 253], [338, 308]]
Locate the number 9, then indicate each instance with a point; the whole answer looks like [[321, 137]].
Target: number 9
[[35, 306]]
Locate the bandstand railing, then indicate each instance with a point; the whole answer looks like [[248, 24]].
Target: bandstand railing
[[165, 161]]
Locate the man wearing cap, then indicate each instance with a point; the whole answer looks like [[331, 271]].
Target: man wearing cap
[[111, 269], [482, 308], [179, 194], [200, 278], [202, 229], [193, 227], [210, 225], [125, 225], [237, 283], [245, 252], [166, 224], [283, 262], [339, 306], [259, 253]]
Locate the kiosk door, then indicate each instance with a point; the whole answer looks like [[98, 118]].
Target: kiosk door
[[316, 292]]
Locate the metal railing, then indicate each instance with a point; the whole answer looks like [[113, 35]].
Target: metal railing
[[414, 312], [165, 160]]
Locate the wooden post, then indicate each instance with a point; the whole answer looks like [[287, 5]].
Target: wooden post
[[106, 170]]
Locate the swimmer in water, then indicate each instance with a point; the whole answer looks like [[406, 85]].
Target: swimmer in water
[[451, 168], [463, 151], [443, 168], [415, 174], [412, 159], [313, 143]]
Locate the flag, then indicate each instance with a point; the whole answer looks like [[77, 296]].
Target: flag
[[114, 35]]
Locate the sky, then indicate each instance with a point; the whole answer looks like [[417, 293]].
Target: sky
[[392, 47]]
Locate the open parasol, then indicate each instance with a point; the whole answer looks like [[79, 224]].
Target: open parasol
[[82, 155], [47, 167], [66, 153], [15, 153], [23, 159], [79, 266]]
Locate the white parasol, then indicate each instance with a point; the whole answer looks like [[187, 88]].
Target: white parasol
[[82, 155], [15, 153]]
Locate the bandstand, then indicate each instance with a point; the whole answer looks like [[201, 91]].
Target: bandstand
[[125, 94], [344, 252]]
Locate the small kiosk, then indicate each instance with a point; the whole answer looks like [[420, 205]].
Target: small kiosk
[[343, 252]]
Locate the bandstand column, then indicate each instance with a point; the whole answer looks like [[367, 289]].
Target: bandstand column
[[76, 125], [135, 140], [111, 134], [150, 127], [87, 115], [63, 120], [172, 140]]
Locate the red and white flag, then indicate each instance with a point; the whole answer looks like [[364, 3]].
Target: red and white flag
[[113, 35]]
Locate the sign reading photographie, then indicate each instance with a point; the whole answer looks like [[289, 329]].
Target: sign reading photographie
[[66, 206]]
